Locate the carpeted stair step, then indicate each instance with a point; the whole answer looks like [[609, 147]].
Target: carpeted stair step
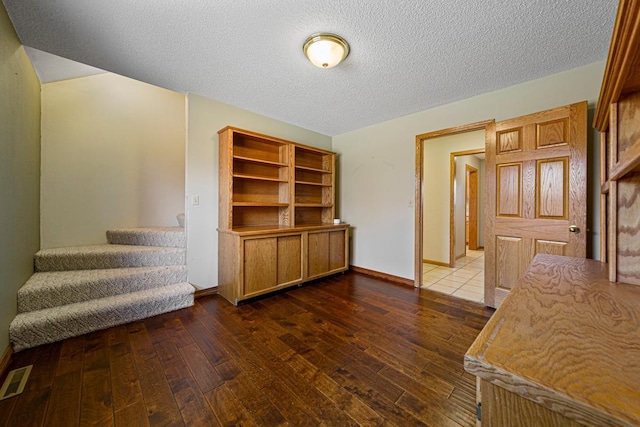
[[35, 328], [107, 256], [153, 236], [50, 289]]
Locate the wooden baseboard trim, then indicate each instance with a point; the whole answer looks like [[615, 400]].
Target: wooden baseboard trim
[[205, 292], [384, 276], [442, 264], [4, 361]]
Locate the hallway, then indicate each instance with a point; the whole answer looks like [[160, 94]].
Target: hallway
[[465, 280]]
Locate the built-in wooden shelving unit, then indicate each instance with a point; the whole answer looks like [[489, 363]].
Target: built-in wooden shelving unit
[[617, 120], [276, 211]]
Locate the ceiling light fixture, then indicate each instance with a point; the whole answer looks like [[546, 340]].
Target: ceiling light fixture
[[325, 50]]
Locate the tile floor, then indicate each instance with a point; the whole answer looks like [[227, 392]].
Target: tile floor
[[465, 280]]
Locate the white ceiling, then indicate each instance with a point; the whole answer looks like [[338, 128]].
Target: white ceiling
[[51, 68], [406, 55]]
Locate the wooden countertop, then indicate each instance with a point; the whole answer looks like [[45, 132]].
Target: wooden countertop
[[568, 339], [275, 229]]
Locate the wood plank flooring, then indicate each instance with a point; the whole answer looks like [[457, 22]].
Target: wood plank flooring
[[345, 351]]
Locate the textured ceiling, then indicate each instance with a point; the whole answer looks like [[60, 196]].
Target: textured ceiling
[[406, 55]]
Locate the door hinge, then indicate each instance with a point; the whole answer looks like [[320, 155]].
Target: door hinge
[[479, 411]]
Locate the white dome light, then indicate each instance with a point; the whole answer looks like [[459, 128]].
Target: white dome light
[[325, 50]]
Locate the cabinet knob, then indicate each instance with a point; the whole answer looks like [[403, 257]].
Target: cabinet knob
[[574, 229]]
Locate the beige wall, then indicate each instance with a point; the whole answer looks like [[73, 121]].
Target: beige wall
[[19, 171], [377, 163], [113, 153], [436, 190], [205, 118]]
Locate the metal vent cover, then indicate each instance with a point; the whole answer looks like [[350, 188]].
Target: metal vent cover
[[15, 382]]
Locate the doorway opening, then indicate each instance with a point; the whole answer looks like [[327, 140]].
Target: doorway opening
[[463, 277], [466, 199], [435, 243], [471, 208]]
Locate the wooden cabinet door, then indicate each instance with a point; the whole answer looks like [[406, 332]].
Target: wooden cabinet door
[[270, 262], [536, 179], [337, 254], [318, 254], [326, 252], [260, 265], [289, 259]]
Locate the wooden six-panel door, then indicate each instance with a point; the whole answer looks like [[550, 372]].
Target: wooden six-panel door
[[536, 186]]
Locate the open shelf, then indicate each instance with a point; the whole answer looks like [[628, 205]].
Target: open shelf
[[629, 164], [312, 205], [259, 161], [307, 214], [313, 160], [251, 148], [319, 184], [259, 204], [267, 216], [260, 170], [289, 183], [259, 178], [260, 191], [312, 169], [310, 177]]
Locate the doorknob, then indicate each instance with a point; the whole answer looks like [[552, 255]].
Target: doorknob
[[574, 229]]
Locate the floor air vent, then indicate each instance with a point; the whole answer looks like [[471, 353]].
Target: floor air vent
[[14, 384]]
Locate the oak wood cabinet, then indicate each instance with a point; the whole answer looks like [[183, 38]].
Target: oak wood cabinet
[[276, 210], [563, 348], [617, 120], [326, 252]]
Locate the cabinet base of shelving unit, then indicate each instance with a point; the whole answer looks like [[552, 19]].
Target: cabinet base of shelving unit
[[252, 264], [280, 290]]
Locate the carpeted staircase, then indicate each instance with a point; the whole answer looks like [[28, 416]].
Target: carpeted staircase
[[140, 273]]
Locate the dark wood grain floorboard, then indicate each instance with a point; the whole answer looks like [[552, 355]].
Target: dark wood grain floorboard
[[125, 385], [159, 401], [18, 360], [228, 409], [134, 415], [191, 402], [64, 405], [31, 409], [96, 398], [349, 350]]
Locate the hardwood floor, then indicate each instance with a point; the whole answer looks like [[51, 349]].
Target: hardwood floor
[[348, 350]]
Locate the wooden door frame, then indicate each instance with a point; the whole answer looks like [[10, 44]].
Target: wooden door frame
[[472, 199], [487, 126], [452, 183]]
